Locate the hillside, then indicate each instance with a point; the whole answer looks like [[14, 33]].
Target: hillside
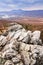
[[19, 46]]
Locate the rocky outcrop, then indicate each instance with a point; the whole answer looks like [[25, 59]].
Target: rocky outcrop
[[21, 47]]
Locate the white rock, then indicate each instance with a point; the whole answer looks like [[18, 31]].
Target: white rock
[[36, 34], [15, 27], [22, 36], [8, 62], [35, 37], [9, 53], [17, 34], [22, 46], [23, 30], [25, 36], [26, 39], [29, 33], [10, 35], [4, 40], [33, 61], [25, 57], [15, 60], [1, 37], [12, 45]]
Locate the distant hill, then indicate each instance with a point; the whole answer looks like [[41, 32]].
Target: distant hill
[[34, 13]]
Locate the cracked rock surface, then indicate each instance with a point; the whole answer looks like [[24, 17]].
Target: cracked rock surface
[[21, 47]]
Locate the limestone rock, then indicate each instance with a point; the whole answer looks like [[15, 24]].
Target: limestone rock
[[21, 47], [25, 57], [1, 38], [17, 34], [8, 62], [35, 39], [10, 35], [15, 27], [9, 53], [15, 60]]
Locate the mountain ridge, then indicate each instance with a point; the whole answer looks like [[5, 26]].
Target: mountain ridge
[[33, 13]]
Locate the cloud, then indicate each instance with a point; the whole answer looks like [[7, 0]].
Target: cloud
[[33, 8], [8, 5], [5, 7]]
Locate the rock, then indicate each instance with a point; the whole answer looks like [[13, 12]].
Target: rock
[[26, 39], [10, 35], [13, 44], [34, 56], [4, 41], [18, 56], [29, 33], [23, 30], [25, 36], [36, 34], [11, 24], [20, 63], [8, 54], [33, 62], [25, 47], [25, 57], [1, 38], [22, 36], [8, 62], [41, 51], [15, 27], [15, 60], [22, 46], [35, 39], [5, 33], [16, 49], [17, 34]]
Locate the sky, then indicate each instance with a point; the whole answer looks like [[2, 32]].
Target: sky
[[9, 5]]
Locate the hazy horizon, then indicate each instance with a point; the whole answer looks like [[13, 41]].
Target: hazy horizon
[[21, 8]]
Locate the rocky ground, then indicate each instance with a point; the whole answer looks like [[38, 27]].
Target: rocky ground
[[20, 47]]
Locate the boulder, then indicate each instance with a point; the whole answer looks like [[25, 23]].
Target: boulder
[[4, 41], [8, 62], [25, 57], [20, 63], [1, 38], [10, 35], [22, 36], [10, 53], [35, 39], [15, 27], [15, 60], [27, 38], [17, 34]]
